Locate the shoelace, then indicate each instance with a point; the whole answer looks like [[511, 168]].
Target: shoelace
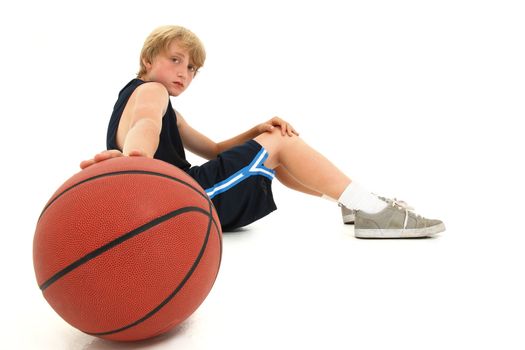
[[401, 205]]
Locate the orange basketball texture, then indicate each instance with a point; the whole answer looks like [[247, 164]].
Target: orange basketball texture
[[127, 248]]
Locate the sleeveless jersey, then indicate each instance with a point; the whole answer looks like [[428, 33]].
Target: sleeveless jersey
[[170, 147]]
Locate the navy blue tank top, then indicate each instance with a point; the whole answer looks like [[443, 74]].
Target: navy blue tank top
[[170, 147]]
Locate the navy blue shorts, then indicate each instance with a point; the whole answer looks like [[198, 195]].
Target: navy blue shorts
[[238, 183]]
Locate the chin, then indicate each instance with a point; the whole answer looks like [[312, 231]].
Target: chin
[[175, 93]]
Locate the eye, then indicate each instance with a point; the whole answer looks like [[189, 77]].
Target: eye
[[192, 68], [175, 60]]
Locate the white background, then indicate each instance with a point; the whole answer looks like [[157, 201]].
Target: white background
[[421, 100]]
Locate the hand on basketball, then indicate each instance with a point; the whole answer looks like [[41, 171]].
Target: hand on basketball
[[286, 128], [105, 155]]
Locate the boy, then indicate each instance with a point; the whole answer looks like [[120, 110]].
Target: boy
[[239, 172]]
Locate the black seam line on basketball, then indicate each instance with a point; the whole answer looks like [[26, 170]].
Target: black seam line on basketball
[[220, 244], [118, 241], [172, 295], [123, 172], [219, 237]]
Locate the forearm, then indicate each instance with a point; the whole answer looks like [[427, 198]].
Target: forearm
[[238, 140], [142, 137]]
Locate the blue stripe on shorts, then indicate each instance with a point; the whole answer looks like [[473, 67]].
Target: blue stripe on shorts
[[256, 167]]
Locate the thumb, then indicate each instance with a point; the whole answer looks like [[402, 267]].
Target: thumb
[[136, 153]]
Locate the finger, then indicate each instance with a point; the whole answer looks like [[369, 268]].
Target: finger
[[114, 153], [289, 130], [268, 127], [105, 155], [102, 156], [136, 153], [85, 163]]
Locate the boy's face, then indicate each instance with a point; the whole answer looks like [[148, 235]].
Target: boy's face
[[172, 69]]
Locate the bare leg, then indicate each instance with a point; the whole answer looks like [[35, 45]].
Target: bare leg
[[284, 176], [305, 164]]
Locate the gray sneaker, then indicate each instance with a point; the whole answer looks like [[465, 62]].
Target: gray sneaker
[[397, 220], [348, 215]]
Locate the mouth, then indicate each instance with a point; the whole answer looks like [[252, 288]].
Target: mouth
[[178, 84]]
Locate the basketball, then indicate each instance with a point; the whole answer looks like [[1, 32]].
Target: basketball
[[127, 248]]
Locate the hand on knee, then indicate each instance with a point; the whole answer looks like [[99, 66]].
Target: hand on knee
[[277, 123]]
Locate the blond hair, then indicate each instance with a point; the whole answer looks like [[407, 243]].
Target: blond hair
[[161, 38]]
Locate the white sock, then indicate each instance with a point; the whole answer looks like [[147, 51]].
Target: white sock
[[324, 196], [357, 197]]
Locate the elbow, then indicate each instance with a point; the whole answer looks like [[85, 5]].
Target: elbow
[[219, 148]]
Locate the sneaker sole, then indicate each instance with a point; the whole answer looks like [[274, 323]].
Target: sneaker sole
[[399, 233]]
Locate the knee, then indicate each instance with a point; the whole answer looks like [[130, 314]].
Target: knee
[[278, 142], [274, 141], [277, 135]]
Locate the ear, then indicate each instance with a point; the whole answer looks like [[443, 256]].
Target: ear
[[146, 63]]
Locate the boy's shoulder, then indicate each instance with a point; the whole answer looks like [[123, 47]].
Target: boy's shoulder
[[145, 91], [141, 85]]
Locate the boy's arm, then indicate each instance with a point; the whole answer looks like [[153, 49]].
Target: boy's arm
[[201, 145], [142, 129], [139, 130]]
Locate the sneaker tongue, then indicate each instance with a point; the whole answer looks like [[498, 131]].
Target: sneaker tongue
[[403, 205], [398, 203]]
